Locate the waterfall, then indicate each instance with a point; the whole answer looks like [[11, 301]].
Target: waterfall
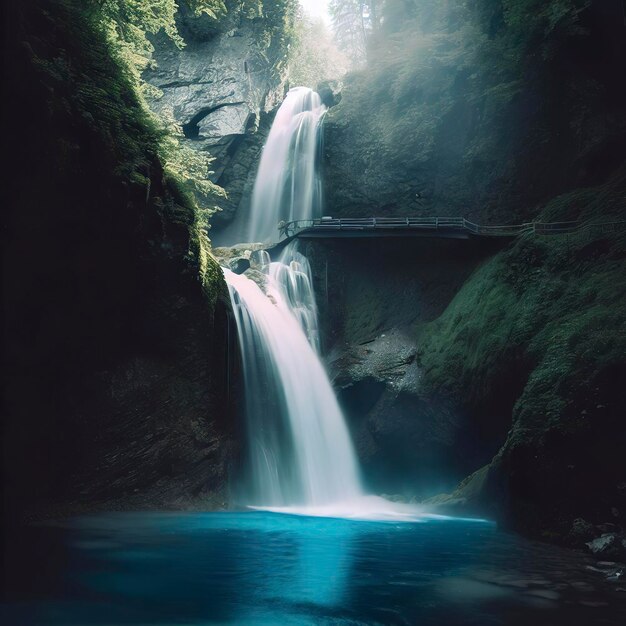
[[292, 276], [299, 456], [287, 186], [299, 448]]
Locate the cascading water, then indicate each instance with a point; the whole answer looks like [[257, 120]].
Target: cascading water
[[292, 276], [299, 454], [287, 186]]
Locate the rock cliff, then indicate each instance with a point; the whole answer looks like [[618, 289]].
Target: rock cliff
[[115, 317], [485, 112], [220, 88]]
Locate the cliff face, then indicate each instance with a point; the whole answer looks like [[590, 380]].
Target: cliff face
[[219, 88], [115, 315], [549, 314], [499, 113], [373, 295], [483, 110]]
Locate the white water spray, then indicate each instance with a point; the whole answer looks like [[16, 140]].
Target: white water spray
[[300, 458], [300, 451], [287, 186]]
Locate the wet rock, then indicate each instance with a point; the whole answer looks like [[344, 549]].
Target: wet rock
[[402, 438], [259, 259], [608, 545], [244, 250], [260, 278], [330, 92], [389, 358], [581, 531], [239, 265], [466, 499]]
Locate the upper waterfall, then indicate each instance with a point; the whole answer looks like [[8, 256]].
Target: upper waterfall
[[287, 185]]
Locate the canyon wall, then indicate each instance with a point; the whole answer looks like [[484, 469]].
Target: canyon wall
[[221, 88], [486, 113], [115, 314]]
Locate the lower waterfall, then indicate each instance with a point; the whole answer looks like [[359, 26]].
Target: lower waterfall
[[300, 458], [300, 452]]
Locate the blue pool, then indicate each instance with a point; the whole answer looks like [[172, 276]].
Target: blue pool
[[267, 568]]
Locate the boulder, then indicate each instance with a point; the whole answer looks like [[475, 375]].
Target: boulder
[[330, 92], [581, 531], [239, 265], [608, 545]]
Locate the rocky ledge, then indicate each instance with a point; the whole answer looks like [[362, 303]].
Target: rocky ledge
[[219, 88]]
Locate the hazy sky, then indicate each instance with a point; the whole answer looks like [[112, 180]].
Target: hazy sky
[[316, 8]]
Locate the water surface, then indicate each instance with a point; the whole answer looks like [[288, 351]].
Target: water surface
[[268, 568]]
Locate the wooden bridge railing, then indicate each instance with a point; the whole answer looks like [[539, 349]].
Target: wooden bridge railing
[[292, 229]]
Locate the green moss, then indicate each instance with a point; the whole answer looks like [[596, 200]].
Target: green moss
[[553, 306], [96, 100]]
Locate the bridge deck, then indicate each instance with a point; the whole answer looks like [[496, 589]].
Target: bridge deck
[[408, 226], [442, 227]]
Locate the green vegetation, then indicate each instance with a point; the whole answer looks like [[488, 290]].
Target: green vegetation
[[95, 83], [464, 107], [544, 300], [313, 56], [279, 18], [128, 25], [539, 332], [348, 17]]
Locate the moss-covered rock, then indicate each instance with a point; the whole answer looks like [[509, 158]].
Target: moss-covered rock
[[115, 317], [548, 316]]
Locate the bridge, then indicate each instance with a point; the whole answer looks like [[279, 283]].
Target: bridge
[[444, 227]]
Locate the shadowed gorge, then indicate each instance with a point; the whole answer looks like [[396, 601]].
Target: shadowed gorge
[[314, 312], [114, 311]]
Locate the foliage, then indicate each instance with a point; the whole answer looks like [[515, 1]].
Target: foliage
[[314, 56], [215, 9], [133, 140], [470, 103], [189, 166], [279, 17], [542, 308], [535, 341], [349, 28], [535, 22], [128, 24]]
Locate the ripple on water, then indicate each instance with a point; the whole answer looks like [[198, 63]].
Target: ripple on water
[[266, 568]]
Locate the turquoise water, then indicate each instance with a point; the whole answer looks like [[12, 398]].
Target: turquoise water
[[265, 568]]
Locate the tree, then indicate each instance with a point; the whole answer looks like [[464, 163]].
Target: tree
[[314, 56], [348, 18]]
